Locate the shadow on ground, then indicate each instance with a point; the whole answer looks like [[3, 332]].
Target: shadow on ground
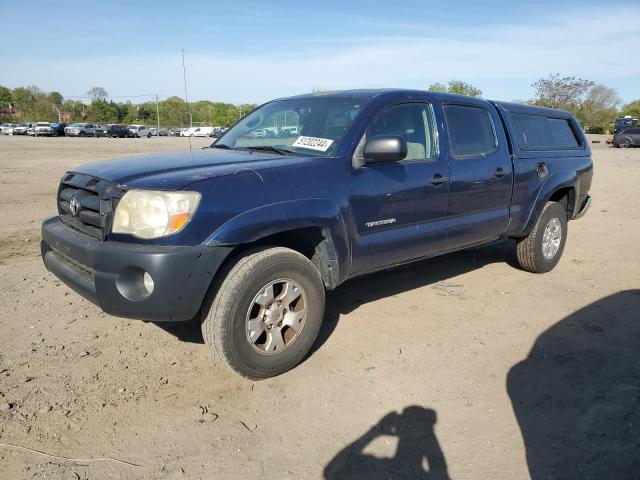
[[418, 454], [577, 394], [350, 295]]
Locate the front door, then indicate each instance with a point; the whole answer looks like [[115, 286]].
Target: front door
[[398, 209]]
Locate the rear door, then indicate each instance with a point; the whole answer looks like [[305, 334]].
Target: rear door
[[481, 173], [398, 209]]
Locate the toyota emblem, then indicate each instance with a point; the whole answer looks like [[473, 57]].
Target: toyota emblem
[[74, 206]]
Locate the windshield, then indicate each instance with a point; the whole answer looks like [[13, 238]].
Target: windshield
[[78, 124], [305, 126]]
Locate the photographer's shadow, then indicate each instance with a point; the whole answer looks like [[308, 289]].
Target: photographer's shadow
[[418, 454]]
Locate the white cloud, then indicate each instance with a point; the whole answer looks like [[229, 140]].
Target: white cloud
[[502, 60]]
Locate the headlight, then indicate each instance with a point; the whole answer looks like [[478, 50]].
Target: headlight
[[151, 214]]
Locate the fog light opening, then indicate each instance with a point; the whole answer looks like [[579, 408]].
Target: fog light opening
[[148, 283]]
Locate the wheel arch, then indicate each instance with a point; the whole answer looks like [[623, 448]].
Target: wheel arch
[[316, 228], [562, 188]]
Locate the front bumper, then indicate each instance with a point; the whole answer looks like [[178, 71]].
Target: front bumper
[[110, 274]]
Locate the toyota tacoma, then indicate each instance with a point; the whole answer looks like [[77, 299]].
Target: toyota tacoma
[[246, 235]]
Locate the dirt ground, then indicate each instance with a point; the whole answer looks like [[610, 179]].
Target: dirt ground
[[463, 365]]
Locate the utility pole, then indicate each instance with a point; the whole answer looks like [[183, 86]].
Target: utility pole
[[158, 115]]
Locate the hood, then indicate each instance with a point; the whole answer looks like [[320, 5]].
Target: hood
[[172, 171]]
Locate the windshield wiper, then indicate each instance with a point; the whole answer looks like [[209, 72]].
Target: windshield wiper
[[271, 148], [219, 145]]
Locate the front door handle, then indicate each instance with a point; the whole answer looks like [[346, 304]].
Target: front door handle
[[500, 172], [438, 179]]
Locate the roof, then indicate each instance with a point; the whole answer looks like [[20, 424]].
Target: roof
[[525, 108], [374, 92]]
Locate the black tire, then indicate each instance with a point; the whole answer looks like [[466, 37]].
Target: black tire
[[530, 248], [225, 326], [624, 143], [149, 135], [81, 134]]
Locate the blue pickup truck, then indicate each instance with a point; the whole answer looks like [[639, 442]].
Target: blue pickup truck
[[304, 193]]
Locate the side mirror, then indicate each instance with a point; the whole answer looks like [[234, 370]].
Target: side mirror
[[385, 148]]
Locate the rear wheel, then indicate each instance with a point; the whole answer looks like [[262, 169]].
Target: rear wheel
[[265, 312], [540, 251], [624, 143]]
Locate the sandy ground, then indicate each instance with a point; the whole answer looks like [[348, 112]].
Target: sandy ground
[[463, 365]]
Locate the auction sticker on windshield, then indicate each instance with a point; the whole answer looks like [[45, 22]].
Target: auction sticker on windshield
[[313, 143]]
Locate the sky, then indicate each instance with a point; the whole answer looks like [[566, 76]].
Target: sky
[[251, 52]]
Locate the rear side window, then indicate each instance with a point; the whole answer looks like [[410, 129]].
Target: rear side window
[[535, 132], [470, 131]]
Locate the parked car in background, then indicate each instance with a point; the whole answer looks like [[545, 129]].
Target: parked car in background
[[188, 132], [285, 132], [203, 132], [175, 132], [99, 129], [31, 132], [22, 128], [627, 138], [163, 132], [115, 130], [154, 131], [624, 123], [42, 129], [80, 130], [7, 128], [58, 129], [139, 131]]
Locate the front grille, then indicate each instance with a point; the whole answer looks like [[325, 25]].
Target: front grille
[[85, 203]]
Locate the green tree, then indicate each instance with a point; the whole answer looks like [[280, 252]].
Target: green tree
[[456, 86], [598, 109], [55, 98], [5, 96], [101, 111], [564, 93], [438, 87], [632, 109]]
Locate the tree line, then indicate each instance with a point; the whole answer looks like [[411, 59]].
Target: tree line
[[596, 106], [25, 104]]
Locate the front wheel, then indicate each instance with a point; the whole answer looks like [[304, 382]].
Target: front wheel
[[540, 251], [624, 143], [266, 311]]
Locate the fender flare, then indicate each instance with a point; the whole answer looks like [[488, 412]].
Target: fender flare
[[255, 224], [554, 183]]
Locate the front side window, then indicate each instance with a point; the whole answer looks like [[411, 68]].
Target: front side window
[[411, 121], [308, 126], [470, 131]]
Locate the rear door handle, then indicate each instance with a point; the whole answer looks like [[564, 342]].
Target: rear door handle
[[500, 172], [438, 179]]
